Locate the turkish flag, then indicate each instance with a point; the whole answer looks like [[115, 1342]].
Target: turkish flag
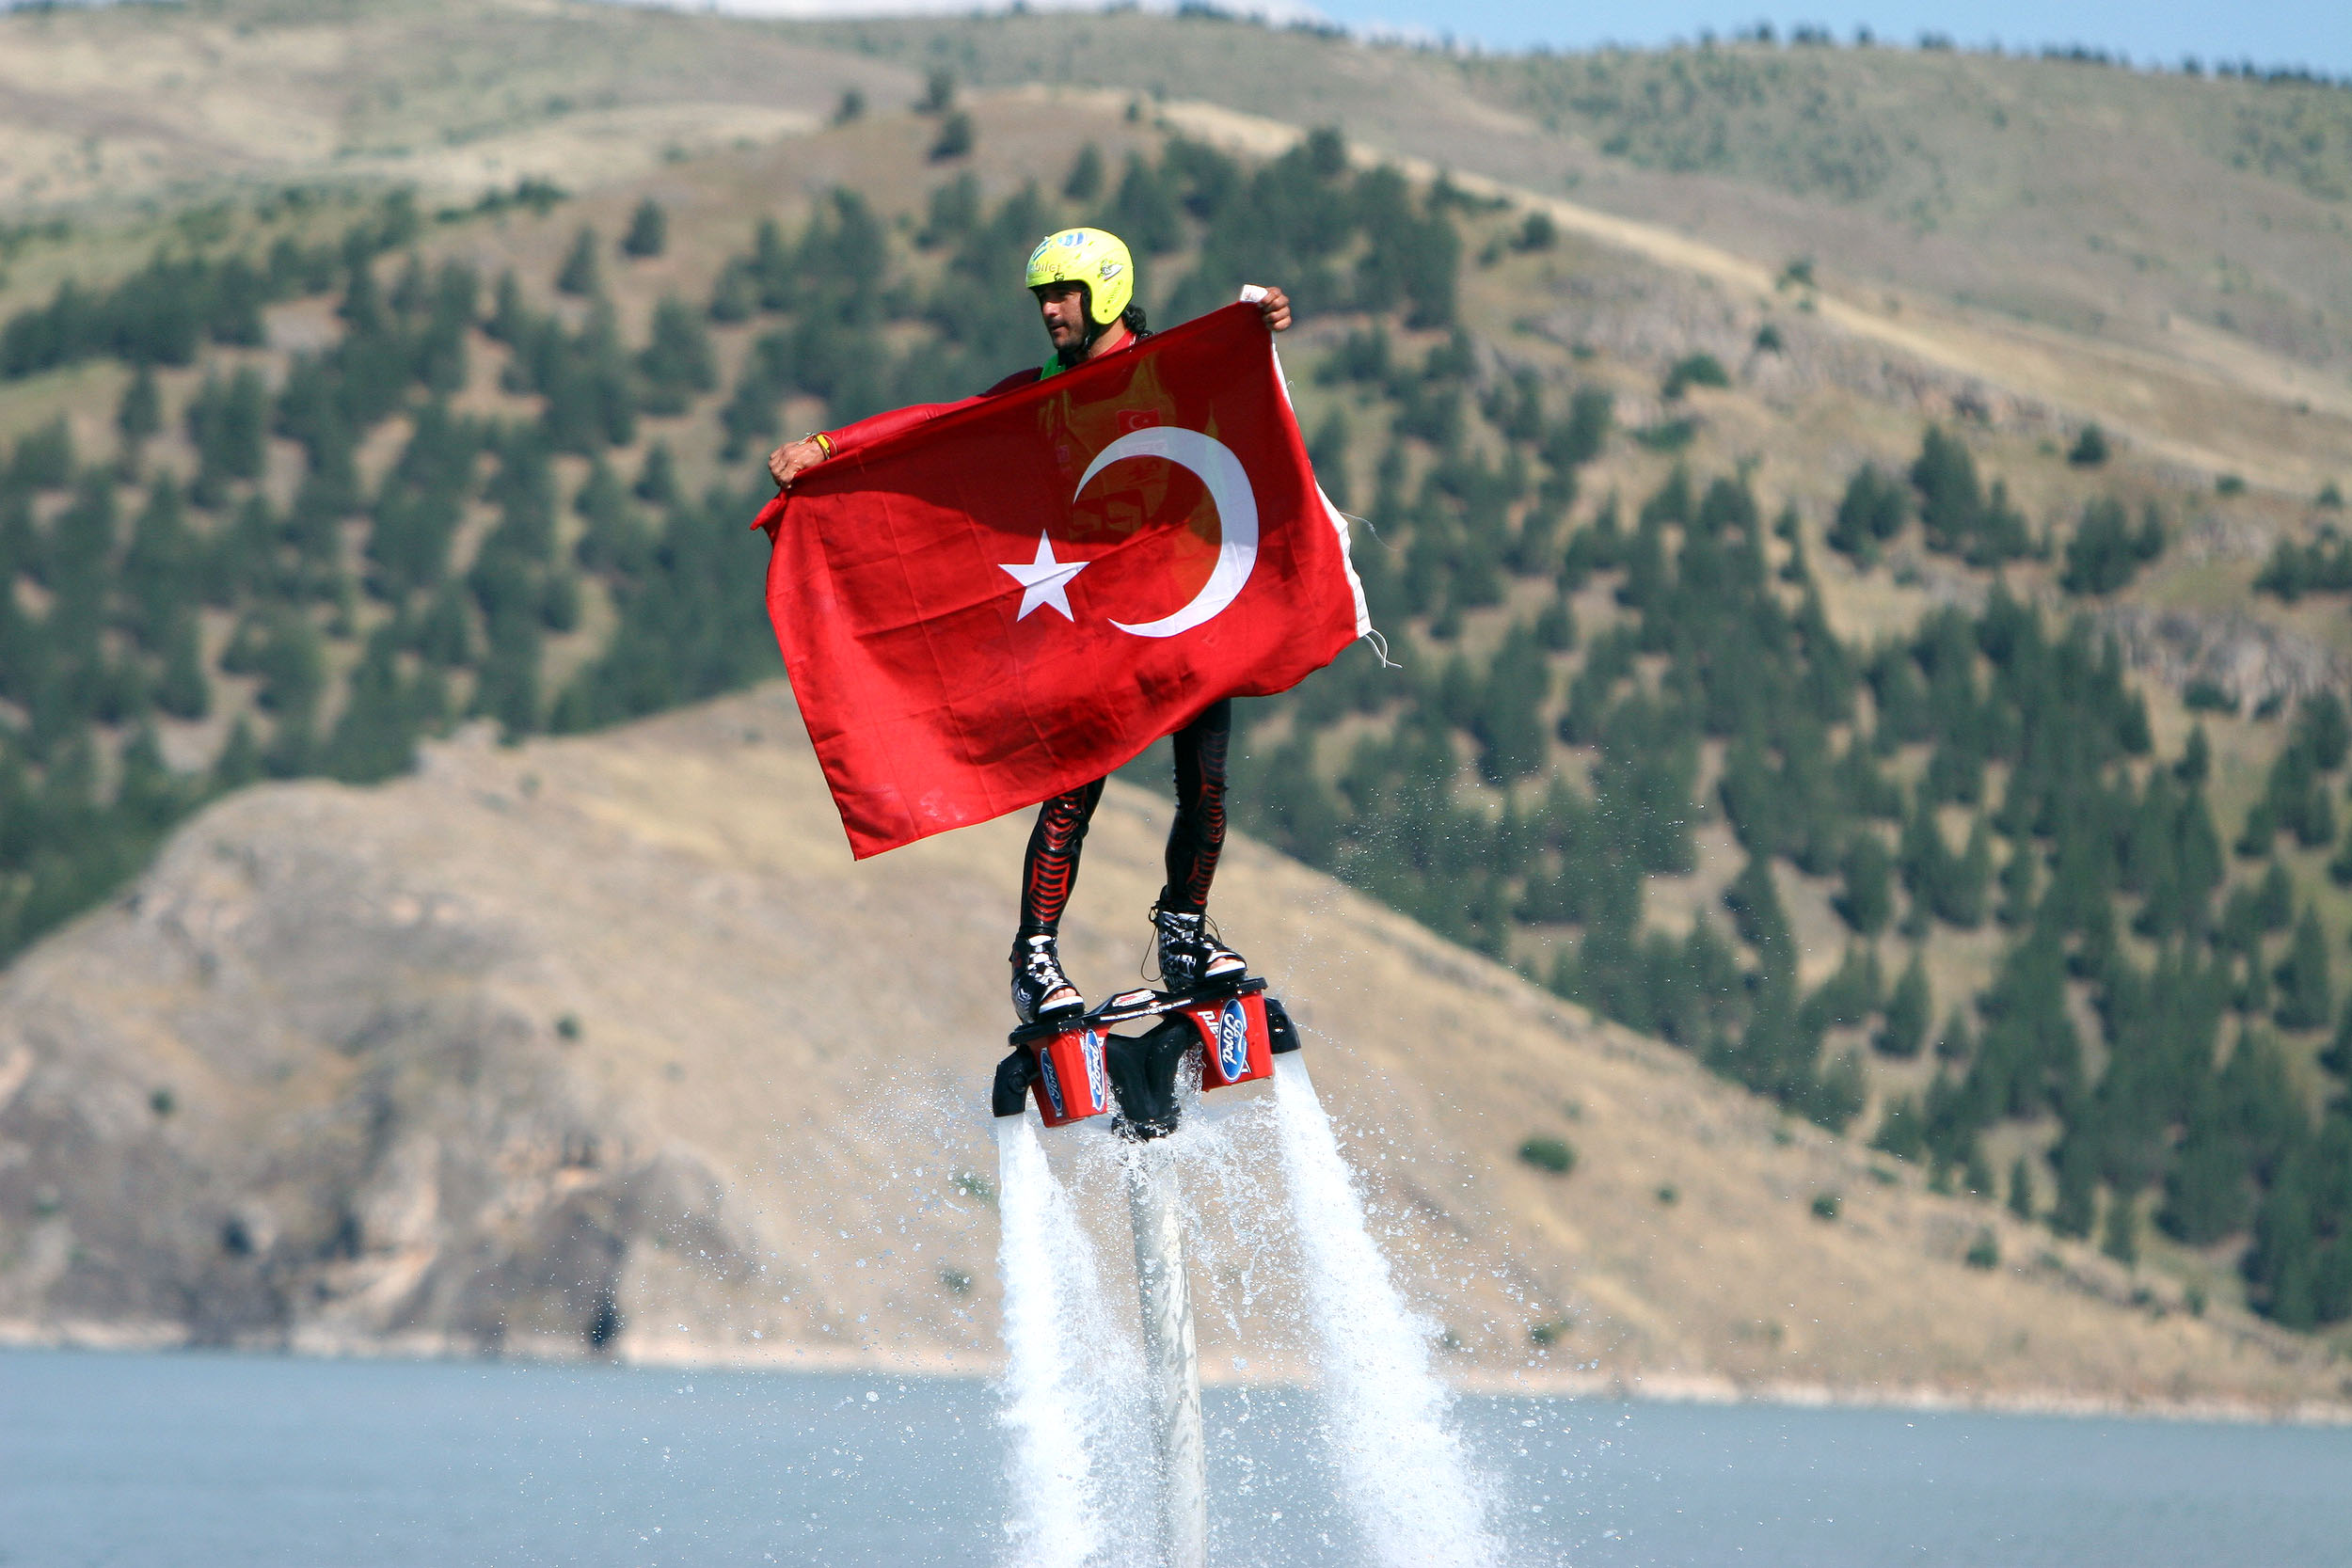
[[1006, 597]]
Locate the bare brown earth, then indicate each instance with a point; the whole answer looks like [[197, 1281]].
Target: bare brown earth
[[608, 1039]]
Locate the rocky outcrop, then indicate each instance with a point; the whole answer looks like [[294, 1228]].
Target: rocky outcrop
[[276, 1096], [2256, 663]]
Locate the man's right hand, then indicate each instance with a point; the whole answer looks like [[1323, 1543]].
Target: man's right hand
[[794, 458]]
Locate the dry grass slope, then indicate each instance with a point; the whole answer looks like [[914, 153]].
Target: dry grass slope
[[608, 1039]]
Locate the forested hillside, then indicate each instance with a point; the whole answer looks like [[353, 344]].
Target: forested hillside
[[364, 480]]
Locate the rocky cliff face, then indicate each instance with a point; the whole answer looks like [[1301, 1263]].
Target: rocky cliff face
[[605, 1047], [312, 1083]]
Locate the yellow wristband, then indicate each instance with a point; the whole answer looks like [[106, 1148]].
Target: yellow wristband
[[824, 442]]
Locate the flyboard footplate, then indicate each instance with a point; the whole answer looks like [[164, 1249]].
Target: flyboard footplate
[[1077, 1067]]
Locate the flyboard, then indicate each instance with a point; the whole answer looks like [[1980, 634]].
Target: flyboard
[[1076, 1069]]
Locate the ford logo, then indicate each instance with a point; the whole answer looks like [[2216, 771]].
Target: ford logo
[[1091, 1044], [1052, 1083], [1232, 1041]]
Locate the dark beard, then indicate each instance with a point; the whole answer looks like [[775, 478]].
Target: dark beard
[[1073, 353]]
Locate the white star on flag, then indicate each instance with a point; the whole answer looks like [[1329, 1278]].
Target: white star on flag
[[1044, 580]]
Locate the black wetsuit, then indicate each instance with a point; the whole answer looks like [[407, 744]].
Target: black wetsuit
[[1195, 839]]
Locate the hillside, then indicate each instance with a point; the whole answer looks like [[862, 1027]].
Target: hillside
[[606, 1045], [1929, 717], [2107, 202]]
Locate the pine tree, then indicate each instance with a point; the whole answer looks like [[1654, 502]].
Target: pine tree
[[1961, 897], [1509, 720], [1976, 1177], [2305, 1001], [1085, 181], [656, 482], [43, 459], [1871, 512], [678, 361], [2322, 731], [1756, 909], [2077, 1191], [1901, 1130], [2119, 1237], [1327, 453], [648, 230], [1955, 1041], [2196, 758], [2337, 1059], [581, 274], [1144, 210], [240, 760], [2020, 1188], [183, 693], [141, 414], [2018, 884], [2206, 1190], [1908, 1012], [1951, 500], [374, 737], [160, 572], [2105, 550], [956, 137]]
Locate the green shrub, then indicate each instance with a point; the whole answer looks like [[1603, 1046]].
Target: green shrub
[[955, 137], [2202, 696], [971, 1184], [1826, 1206], [1555, 1155], [1699, 370], [1984, 1252], [1667, 436]]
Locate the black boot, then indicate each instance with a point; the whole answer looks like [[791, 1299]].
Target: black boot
[[1191, 956], [1040, 989]]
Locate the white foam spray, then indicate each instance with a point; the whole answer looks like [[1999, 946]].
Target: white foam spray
[[1404, 1475], [1072, 1392]]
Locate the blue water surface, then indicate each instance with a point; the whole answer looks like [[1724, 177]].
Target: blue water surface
[[205, 1460]]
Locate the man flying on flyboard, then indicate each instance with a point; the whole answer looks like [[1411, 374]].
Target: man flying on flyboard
[[1083, 281]]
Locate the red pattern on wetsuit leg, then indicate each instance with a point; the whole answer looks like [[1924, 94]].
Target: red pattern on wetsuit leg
[[1197, 837], [1050, 869]]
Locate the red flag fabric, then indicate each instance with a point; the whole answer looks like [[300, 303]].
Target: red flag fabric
[[1001, 599]]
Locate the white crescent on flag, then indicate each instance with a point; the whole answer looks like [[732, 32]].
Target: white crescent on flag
[[1228, 483]]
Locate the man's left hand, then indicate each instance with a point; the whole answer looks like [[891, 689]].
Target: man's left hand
[[1275, 309]]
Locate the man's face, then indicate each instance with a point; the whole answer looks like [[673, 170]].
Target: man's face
[[1064, 307]]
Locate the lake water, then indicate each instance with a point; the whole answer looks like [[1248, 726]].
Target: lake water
[[199, 1461]]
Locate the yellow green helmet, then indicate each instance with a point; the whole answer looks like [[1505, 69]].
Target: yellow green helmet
[[1094, 257]]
